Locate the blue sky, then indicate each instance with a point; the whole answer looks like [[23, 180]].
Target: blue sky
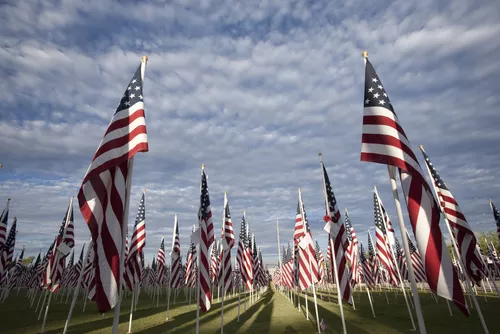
[[252, 89]]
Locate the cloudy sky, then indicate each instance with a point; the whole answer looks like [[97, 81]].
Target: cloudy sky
[[252, 89]]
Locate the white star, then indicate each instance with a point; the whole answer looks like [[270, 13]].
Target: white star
[[134, 81], [127, 103], [370, 89], [140, 97], [367, 101], [129, 87], [132, 96], [382, 102], [376, 95], [374, 80], [385, 94], [137, 87], [380, 87]]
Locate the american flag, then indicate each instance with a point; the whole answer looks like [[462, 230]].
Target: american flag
[[207, 238], [352, 249], [77, 268], [243, 258], [3, 225], [321, 264], [338, 236], [7, 252], [160, 262], [175, 258], [366, 266], [137, 242], [303, 268], [373, 260], [464, 237], [416, 261], [190, 265], [383, 253], [384, 141], [57, 260], [227, 243], [103, 194], [214, 262], [401, 258], [496, 216]]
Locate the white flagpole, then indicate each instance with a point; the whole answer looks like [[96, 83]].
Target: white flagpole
[[77, 288], [198, 249], [370, 299], [116, 314], [414, 290], [171, 262], [332, 246], [132, 304], [221, 276], [393, 254]]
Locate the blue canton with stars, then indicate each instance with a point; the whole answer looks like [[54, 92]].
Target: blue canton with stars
[[410, 244], [379, 223], [133, 93], [204, 198], [332, 202], [141, 213], [435, 175], [375, 94]]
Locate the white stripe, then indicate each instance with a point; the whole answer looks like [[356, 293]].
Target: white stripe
[[390, 151], [381, 129]]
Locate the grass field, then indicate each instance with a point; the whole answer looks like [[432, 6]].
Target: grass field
[[272, 313]]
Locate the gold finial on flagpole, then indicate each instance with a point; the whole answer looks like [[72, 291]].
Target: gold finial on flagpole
[[375, 187], [144, 59], [364, 54], [320, 156], [202, 165], [421, 147], [144, 190]]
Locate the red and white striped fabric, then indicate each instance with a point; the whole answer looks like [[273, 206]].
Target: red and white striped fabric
[[352, 250], [160, 262], [103, 193], [207, 238], [3, 225], [401, 258], [214, 262], [337, 237], [175, 258], [416, 261], [227, 243], [303, 268], [384, 255], [134, 264], [243, 256], [366, 267], [464, 237], [373, 260], [7, 253], [321, 264], [384, 141]]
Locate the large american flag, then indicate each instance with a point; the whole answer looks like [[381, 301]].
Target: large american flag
[[304, 274], [3, 225], [134, 263], [7, 252], [384, 141], [496, 216], [175, 258], [227, 243], [207, 238], [243, 257], [214, 262], [338, 236], [103, 194], [464, 237]]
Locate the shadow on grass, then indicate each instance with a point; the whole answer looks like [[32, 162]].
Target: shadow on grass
[[264, 316]]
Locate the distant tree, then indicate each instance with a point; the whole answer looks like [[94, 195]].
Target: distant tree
[[28, 260], [489, 237]]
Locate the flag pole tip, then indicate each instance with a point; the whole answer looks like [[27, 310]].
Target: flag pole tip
[[145, 59], [375, 187], [202, 165], [8, 199], [421, 147], [364, 54]]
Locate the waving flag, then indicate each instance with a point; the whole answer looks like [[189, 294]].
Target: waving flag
[[352, 249], [384, 141], [366, 266], [8, 251], [462, 232], [103, 194], [227, 243], [496, 216], [207, 238], [175, 261]]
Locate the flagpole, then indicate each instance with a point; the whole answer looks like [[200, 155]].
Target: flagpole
[[332, 247], [77, 288], [222, 281], [395, 261], [171, 262], [198, 249], [414, 290], [455, 248]]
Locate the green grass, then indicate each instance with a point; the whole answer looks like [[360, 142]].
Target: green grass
[[272, 313]]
